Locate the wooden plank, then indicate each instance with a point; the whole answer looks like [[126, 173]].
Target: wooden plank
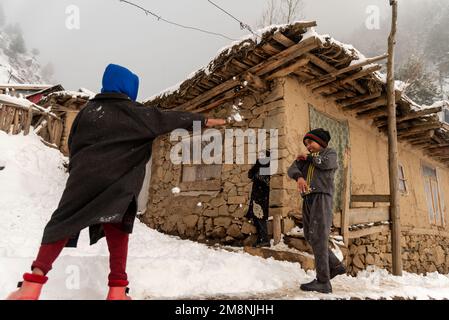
[[277, 230], [358, 99], [418, 129], [368, 215], [321, 84], [255, 82], [282, 39], [336, 220], [374, 113], [411, 116], [59, 133], [288, 70], [379, 102], [268, 48], [370, 198], [368, 231], [328, 68], [351, 78], [286, 56], [29, 119], [16, 124], [350, 68], [3, 114], [9, 119], [341, 95], [438, 146]]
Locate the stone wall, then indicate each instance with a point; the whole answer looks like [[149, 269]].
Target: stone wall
[[421, 253], [217, 214]]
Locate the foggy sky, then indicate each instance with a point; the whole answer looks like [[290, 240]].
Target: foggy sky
[[161, 54]]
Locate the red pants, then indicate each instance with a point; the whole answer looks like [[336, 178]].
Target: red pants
[[118, 251]]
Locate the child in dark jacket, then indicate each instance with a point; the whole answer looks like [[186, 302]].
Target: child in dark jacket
[[314, 173]]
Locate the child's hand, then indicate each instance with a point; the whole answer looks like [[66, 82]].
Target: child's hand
[[302, 157], [216, 122], [302, 185]]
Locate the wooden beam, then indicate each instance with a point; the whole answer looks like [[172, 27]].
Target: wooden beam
[[367, 231], [288, 69], [358, 99], [268, 48], [373, 113], [255, 82], [328, 68], [341, 95], [370, 198], [410, 116], [438, 146], [282, 39], [287, 55], [28, 121], [352, 78], [418, 129], [350, 68], [368, 215], [359, 108]]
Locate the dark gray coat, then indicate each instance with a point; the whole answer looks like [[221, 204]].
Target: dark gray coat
[[110, 144], [318, 170]]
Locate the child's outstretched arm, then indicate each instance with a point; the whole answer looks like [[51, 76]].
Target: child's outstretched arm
[[295, 170], [325, 160]]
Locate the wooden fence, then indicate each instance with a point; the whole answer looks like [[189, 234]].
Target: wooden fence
[[15, 119], [367, 216]]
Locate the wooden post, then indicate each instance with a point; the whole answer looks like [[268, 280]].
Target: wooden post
[[277, 229], [346, 199], [29, 118], [393, 149]]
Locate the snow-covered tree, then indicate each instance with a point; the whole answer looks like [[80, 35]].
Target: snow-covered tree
[[421, 83], [17, 44], [282, 11]]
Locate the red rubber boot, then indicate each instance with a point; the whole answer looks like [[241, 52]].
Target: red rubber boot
[[118, 290], [30, 288]]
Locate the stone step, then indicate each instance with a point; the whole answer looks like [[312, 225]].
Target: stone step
[[307, 262]]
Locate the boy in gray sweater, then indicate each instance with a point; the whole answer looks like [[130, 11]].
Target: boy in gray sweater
[[314, 174]]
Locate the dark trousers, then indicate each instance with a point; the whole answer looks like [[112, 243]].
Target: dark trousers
[[117, 241], [317, 222]]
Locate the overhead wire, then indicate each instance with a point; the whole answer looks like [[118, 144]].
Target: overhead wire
[[160, 18]]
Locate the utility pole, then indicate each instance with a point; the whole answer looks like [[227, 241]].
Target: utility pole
[[393, 149]]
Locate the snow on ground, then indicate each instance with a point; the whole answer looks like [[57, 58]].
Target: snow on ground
[[159, 266]]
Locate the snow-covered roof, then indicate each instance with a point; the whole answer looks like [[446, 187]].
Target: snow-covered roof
[[326, 66], [10, 100]]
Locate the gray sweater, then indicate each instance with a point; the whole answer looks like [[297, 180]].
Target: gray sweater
[[318, 170]]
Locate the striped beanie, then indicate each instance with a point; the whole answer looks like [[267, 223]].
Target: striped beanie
[[320, 136]]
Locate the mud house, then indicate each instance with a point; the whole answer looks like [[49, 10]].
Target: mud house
[[291, 79]]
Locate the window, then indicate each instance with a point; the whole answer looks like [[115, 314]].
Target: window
[[433, 196], [402, 180]]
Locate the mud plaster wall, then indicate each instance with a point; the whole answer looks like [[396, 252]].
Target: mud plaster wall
[[216, 215], [368, 158]]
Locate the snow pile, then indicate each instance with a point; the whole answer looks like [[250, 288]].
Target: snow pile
[[159, 266]]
